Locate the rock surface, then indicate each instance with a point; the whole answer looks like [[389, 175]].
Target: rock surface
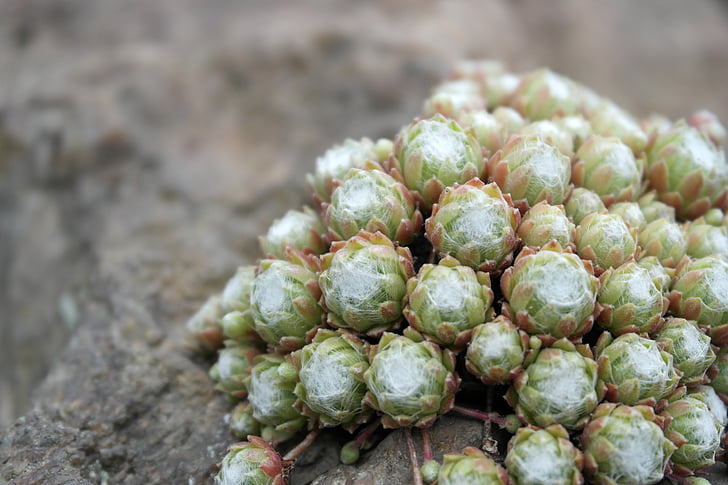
[[145, 145]]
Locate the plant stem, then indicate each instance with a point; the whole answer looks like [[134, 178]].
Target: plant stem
[[426, 450], [366, 433], [416, 474], [303, 445], [474, 413]]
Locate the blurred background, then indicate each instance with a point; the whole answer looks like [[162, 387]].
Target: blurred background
[[144, 145]]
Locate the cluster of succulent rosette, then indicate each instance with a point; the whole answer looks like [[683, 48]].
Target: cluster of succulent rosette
[[525, 227]]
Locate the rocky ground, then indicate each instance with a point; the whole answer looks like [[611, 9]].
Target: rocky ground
[[145, 145]]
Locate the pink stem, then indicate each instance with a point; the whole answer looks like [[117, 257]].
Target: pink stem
[[366, 433], [303, 445], [474, 413], [426, 450], [677, 478], [416, 474]]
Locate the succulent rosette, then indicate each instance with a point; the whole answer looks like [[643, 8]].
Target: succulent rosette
[[550, 293], [434, 153], [582, 203], [330, 386], [695, 432], [471, 466], [711, 399], [608, 167], [242, 423], [284, 300], [531, 170], [577, 126], [690, 348], [560, 386], [373, 201], [704, 239], [204, 328], [300, 230], [251, 462], [665, 240], [237, 323], [630, 212], [635, 369], [496, 351], [688, 171], [476, 224], [270, 393], [552, 134], [653, 209], [232, 368], [608, 119], [410, 380], [709, 125], [661, 276], [719, 374], [625, 445], [700, 292], [445, 301], [544, 457], [606, 240], [629, 300], [492, 129], [543, 223], [336, 163], [543, 94], [364, 283], [454, 99]]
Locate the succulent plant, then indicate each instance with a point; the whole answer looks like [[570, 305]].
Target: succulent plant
[[688, 171], [232, 368], [695, 432], [709, 125], [364, 282], [445, 301], [434, 153], [496, 351], [492, 129], [552, 134], [550, 293], [700, 292], [635, 370], [476, 224], [653, 209], [204, 328], [544, 457], [284, 301], [608, 119], [711, 399], [242, 423], [543, 223], [560, 386], [543, 94], [606, 240], [409, 380], [577, 126], [270, 393], [661, 276], [630, 212], [629, 300], [690, 348], [373, 201], [704, 239], [664, 239], [582, 203], [625, 445], [714, 217], [719, 374], [237, 323], [472, 466], [300, 230], [531, 170], [608, 167], [336, 163], [454, 99], [331, 387], [251, 462]]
